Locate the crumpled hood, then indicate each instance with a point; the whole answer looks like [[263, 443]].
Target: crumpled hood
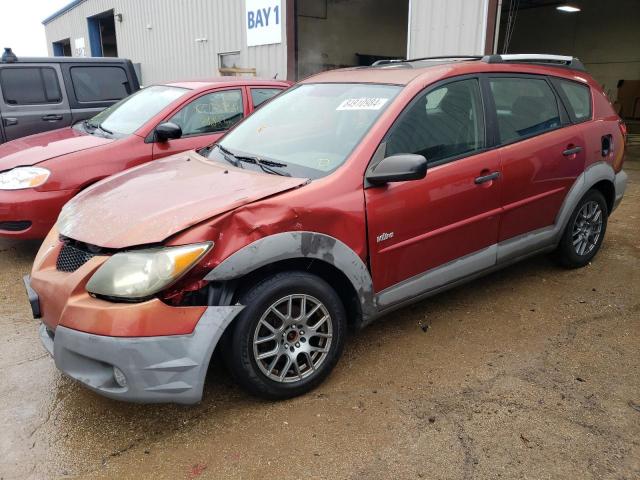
[[148, 204], [37, 148]]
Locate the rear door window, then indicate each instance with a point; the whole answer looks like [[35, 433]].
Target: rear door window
[[99, 83], [261, 95], [444, 123], [30, 86], [578, 97], [525, 107]]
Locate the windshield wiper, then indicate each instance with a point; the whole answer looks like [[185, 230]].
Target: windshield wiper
[[93, 127], [228, 156], [205, 151], [267, 166], [104, 129], [260, 161]]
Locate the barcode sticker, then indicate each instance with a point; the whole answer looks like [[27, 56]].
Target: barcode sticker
[[364, 103]]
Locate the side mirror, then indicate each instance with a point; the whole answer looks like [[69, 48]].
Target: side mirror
[[168, 131], [398, 168]]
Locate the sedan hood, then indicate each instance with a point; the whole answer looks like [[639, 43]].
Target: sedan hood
[[37, 148], [148, 204]]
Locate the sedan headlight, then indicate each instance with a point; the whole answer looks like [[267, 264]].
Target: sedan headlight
[[23, 177], [139, 274]]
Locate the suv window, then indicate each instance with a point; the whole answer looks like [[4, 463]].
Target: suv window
[[261, 95], [443, 123], [214, 112], [30, 86], [99, 83], [525, 107], [579, 98]]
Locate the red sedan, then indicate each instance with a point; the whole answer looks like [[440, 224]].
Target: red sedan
[[40, 173]]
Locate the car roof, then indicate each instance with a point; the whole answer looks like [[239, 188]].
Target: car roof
[[66, 60], [431, 70], [226, 82]]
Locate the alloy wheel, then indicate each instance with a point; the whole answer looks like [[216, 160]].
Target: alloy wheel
[[587, 228], [292, 338]]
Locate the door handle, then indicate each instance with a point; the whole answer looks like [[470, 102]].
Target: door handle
[[8, 122], [51, 118], [572, 151], [487, 178]]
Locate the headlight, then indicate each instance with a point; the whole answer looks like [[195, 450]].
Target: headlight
[[23, 177], [141, 273]]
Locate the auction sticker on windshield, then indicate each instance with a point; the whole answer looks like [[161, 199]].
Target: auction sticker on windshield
[[364, 103]]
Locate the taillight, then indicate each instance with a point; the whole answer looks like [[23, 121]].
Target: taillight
[[623, 128]]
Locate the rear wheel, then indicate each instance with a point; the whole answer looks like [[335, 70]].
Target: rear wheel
[[584, 232], [289, 336]]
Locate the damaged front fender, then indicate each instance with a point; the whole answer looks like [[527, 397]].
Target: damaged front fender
[[291, 245]]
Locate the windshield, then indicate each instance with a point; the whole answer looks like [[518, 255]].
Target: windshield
[[310, 130], [129, 114]]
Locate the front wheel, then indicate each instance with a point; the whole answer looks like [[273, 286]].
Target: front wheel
[[289, 336], [584, 232]]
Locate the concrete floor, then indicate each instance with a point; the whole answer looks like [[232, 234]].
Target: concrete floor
[[532, 372]]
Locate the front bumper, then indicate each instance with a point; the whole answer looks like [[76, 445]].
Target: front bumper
[[620, 183], [38, 211], [157, 369]]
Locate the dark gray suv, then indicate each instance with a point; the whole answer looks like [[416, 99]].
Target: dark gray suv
[[41, 94]]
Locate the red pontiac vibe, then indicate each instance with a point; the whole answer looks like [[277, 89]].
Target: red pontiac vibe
[[40, 173], [354, 193]]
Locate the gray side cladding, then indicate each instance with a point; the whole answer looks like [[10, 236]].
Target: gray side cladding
[[289, 245]]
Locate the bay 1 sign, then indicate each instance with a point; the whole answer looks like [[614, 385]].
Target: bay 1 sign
[[263, 21]]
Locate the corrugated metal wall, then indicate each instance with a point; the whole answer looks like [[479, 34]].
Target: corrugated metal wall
[[161, 35], [446, 27]]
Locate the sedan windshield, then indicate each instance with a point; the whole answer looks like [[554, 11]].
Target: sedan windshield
[[308, 131], [131, 113]]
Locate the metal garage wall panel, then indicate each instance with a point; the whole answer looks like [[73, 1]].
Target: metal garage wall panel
[[270, 60], [161, 35], [447, 27]]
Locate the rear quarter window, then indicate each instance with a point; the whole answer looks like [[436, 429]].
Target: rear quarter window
[[99, 83], [578, 97]]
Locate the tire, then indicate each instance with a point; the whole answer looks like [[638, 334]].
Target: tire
[[584, 232], [313, 350]]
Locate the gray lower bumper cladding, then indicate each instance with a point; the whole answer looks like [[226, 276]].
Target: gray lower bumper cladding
[[168, 369], [620, 186]]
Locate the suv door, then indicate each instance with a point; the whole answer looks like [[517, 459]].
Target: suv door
[[541, 154], [204, 120], [417, 226], [33, 100]]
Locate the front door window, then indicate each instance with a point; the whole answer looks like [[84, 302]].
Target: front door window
[[211, 113], [442, 124]]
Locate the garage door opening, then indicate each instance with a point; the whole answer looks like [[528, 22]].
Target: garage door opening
[[338, 33], [604, 35], [102, 35], [62, 48]]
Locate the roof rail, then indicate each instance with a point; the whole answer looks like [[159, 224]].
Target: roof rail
[[558, 60], [422, 59]]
